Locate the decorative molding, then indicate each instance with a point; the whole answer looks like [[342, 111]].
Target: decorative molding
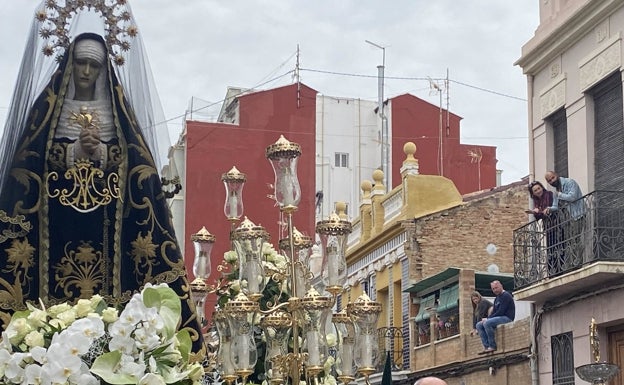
[[601, 62], [602, 31], [553, 96], [555, 70]]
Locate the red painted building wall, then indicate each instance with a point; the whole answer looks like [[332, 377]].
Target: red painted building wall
[[418, 121], [214, 148]]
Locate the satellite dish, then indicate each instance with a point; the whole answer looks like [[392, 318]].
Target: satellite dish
[[493, 268], [490, 248]]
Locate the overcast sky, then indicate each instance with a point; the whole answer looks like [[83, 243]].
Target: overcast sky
[[197, 48]]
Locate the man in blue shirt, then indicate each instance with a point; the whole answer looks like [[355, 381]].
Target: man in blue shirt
[[567, 191], [568, 199], [504, 312]]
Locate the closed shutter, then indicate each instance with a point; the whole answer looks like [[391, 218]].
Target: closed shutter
[[560, 135], [609, 134]]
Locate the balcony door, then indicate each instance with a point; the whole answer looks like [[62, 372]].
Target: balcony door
[[609, 134], [616, 353]]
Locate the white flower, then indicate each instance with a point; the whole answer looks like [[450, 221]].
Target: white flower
[[14, 370], [151, 379], [91, 327], [281, 262], [17, 330], [110, 315], [95, 301], [83, 307], [55, 310], [139, 332], [331, 339], [5, 357], [37, 317], [230, 256], [34, 338], [67, 317], [33, 374], [329, 380]]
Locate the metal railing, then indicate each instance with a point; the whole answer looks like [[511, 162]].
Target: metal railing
[[587, 230], [391, 340]]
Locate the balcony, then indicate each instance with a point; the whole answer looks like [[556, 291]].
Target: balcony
[[582, 247], [391, 340]]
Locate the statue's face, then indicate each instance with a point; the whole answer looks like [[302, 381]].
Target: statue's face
[[85, 72]]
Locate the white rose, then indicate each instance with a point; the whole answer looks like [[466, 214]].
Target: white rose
[[37, 318], [17, 330], [230, 256], [57, 323], [95, 301], [67, 317], [55, 310], [82, 308], [34, 338], [330, 380], [110, 315], [331, 339]]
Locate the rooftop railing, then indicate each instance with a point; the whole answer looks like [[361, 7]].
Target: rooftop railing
[[581, 232]]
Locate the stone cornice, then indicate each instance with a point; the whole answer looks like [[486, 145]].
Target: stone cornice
[[539, 53]]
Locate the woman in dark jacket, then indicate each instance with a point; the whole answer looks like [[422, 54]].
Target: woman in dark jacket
[[481, 308], [545, 210]]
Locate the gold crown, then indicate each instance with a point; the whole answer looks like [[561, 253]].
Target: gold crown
[[115, 13]]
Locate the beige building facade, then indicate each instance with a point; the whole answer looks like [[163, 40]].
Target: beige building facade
[[574, 69], [421, 250]]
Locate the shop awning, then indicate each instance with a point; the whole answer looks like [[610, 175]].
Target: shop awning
[[425, 303], [448, 298]]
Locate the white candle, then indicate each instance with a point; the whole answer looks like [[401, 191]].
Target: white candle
[[313, 348], [228, 368], [243, 352], [233, 203], [347, 359], [253, 283], [367, 354], [332, 265]]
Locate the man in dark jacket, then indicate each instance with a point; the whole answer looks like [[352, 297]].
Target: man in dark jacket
[[504, 312]]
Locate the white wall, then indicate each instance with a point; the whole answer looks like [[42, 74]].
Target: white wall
[[350, 126]]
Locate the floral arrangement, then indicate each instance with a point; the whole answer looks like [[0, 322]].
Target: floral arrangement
[[91, 342]]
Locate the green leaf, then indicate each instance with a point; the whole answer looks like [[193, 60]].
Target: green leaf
[[104, 366], [184, 339], [167, 302]]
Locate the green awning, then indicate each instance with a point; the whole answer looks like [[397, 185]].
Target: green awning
[[451, 275], [425, 303], [449, 297]]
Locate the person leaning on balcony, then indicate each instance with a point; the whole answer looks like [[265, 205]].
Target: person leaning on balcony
[[572, 212], [504, 312], [568, 191], [544, 209], [481, 308], [430, 381]]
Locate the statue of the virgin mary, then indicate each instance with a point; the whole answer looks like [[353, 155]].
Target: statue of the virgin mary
[[82, 209]]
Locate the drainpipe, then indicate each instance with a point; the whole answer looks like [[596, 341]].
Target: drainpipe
[[530, 115], [533, 355]]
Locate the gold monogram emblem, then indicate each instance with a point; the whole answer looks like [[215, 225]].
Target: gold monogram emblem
[[89, 189]]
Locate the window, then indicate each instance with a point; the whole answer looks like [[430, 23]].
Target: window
[[341, 159], [559, 125], [562, 359]]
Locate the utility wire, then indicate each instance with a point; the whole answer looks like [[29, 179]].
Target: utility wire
[[427, 79]]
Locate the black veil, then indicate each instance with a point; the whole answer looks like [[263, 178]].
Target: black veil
[[134, 75]]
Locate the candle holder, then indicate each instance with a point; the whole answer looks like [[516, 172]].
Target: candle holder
[[596, 373]]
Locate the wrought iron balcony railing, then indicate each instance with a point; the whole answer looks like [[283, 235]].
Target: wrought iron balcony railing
[[391, 340], [587, 230]]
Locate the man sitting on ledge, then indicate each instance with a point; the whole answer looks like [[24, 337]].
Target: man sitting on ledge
[[504, 312]]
